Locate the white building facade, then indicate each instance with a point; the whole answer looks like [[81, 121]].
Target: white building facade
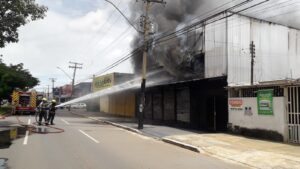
[[276, 67]]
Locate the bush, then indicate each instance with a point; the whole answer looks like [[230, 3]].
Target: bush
[[5, 109]]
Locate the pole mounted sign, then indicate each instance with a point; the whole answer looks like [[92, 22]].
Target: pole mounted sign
[[265, 102]]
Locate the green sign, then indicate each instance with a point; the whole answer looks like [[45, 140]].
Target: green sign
[[265, 102]]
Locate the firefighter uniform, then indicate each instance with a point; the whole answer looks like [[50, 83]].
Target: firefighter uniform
[[43, 107], [51, 112]]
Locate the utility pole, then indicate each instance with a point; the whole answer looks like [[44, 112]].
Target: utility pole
[[145, 19], [75, 66], [48, 92], [252, 53], [53, 81]]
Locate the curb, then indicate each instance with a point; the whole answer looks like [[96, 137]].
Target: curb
[[112, 123], [119, 125], [166, 140], [181, 144]]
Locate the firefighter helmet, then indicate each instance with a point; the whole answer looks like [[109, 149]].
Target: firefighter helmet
[[44, 99], [53, 101]]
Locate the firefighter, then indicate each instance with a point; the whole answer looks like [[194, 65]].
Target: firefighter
[[14, 107], [51, 112], [43, 107]]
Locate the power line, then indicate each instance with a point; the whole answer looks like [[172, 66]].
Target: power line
[[116, 63], [188, 21], [126, 57], [238, 5], [203, 20], [189, 28], [167, 31], [117, 40], [94, 40], [272, 6], [122, 14], [182, 31], [64, 72]]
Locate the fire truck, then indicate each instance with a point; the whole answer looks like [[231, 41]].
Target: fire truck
[[25, 102]]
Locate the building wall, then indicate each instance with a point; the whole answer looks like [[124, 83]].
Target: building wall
[[169, 104], [215, 49], [227, 50], [82, 89], [251, 120], [183, 107], [104, 104], [120, 104], [189, 104], [277, 51]]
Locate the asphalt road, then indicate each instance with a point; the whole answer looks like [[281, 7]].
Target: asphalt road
[[88, 144]]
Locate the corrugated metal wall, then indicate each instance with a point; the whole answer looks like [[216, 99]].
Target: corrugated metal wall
[[121, 104], [104, 104], [294, 52], [215, 49], [277, 51]]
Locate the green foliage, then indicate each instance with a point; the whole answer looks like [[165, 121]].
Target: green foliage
[[15, 13], [5, 110], [14, 76]]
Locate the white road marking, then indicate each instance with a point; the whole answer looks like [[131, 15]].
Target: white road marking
[[27, 133], [65, 121], [96, 141], [26, 138]]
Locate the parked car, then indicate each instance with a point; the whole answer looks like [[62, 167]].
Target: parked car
[[78, 106]]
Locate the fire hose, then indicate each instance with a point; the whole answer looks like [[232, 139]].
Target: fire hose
[[34, 129]]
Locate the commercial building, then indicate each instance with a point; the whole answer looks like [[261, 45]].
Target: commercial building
[[63, 93], [82, 89], [120, 103], [220, 92], [222, 96]]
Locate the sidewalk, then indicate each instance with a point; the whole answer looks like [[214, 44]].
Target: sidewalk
[[250, 152]]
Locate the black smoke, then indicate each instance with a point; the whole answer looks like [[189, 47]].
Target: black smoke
[[180, 57]]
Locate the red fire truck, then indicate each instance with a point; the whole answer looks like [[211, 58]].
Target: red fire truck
[[24, 102]]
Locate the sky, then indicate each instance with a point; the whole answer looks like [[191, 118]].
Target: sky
[[83, 31], [92, 32]]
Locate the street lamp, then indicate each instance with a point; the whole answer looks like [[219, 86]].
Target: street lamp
[[67, 76], [65, 73], [145, 33], [123, 15], [143, 83]]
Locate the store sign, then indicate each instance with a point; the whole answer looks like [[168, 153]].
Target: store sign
[[235, 104], [103, 82], [265, 102]]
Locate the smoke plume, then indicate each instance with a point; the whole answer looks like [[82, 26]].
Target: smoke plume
[[179, 57]]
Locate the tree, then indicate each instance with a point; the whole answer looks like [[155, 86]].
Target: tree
[[15, 13], [15, 76]]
